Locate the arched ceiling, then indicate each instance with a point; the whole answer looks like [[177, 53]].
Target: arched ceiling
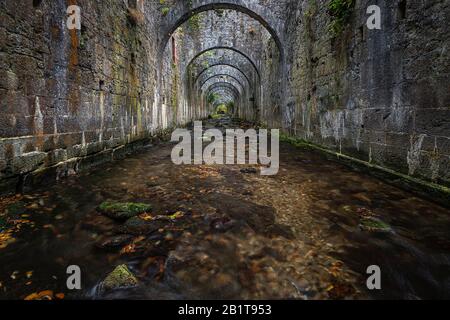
[[222, 84], [225, 71], [223, 78], [222, 57], [243, 54]]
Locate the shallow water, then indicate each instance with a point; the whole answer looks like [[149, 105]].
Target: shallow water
[[241, 235]]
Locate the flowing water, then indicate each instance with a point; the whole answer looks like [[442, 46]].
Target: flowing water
[[236, 234]]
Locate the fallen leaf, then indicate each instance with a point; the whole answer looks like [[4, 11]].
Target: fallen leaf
[[131, 248], [60, 296], [33, 296], [43, 295], [146, 217]]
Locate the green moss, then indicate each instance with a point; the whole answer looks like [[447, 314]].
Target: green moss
[[341, 11], [374, 225], [120, 278], [123, 211]]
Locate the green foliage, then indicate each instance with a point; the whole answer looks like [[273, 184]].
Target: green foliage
[[341, 11], [222, 109]]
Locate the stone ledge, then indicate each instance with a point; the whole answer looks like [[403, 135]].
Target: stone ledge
[[429, 190], [46, 175]]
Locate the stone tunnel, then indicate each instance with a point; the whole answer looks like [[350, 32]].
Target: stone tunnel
[[75, 99], [71, 99]]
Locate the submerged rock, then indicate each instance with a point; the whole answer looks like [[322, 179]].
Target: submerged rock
[[373, 224], [120, 278], [137, 226], [123, 211], [113, 242], [98, 223]]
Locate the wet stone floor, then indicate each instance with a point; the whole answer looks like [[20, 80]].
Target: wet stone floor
[[225, 232]]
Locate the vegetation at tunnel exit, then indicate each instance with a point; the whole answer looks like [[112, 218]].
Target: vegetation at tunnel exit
[[341, 11], [222, 109]]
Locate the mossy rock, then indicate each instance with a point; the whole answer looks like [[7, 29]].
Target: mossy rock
[[123, 211], [372, 224], [120, 278]]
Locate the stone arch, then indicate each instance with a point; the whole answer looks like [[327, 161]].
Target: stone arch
[[225, 78], [181, 11], [232, 78], [225, 94], [247, 57], [223, 57], [222, 84], [225, 65]]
